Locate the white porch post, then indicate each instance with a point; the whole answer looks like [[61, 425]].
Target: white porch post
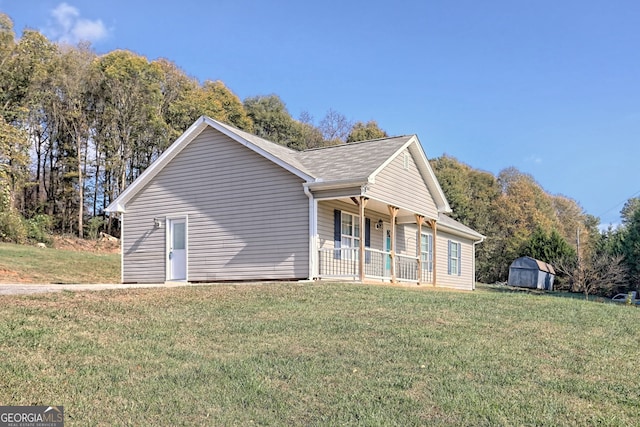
[[432, 224], [362, 202], [419, 221], [313, 234], [393, 211]]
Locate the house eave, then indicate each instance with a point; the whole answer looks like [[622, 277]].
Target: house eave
[[115, 208], [335, 185], [476, 237]]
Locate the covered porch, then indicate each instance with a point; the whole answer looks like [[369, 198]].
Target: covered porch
[[374, 241]]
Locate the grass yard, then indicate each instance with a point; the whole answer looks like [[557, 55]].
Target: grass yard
[[320, 354], [29, 264]]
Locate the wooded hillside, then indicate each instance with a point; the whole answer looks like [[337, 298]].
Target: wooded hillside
[[76, 128]]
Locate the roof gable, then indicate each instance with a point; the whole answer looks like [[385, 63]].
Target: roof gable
[[278, 154], [356, 162], [363, 161]]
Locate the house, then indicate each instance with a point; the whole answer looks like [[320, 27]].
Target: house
[[221, 204], [527, 272]]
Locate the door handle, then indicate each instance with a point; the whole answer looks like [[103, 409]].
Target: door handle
[[170, 254]]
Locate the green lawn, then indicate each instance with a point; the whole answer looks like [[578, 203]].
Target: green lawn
[[320, 354], [21, 263]]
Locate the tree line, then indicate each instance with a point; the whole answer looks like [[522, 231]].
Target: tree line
[[519, 218], [76, 128]]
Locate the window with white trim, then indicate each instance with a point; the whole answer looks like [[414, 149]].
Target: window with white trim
[[426, 251], [455, 250], [350, 233]]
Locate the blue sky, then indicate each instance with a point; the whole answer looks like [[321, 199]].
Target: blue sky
[[549, 87]]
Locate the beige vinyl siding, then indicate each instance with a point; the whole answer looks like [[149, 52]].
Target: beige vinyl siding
[[391, 186], [465, 279], [409, 237], [325, 222], [247, 217], [405, 234]]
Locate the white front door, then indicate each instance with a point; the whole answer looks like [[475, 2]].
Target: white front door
[[177, 249]]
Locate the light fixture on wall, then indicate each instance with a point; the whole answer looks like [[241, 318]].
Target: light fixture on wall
[[157, 223], [379, 224]]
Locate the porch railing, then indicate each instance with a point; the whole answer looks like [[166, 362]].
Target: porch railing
[[340, 262], [406, 268], [344, 263]]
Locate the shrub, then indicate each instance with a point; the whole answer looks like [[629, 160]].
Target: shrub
[[39, 228], [12, 227], [93, 226]]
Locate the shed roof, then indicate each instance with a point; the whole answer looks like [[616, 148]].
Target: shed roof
[[543, 266], [530, 263]]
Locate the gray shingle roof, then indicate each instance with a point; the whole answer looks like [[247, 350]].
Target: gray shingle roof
[[449, 222], [350, 161]]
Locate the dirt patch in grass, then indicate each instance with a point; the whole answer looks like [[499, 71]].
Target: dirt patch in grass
[[105, 244], [10, 276], [28, 264]]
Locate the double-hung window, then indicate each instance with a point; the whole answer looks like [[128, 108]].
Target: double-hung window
[[454, 258], [426, 251], [350, 234]]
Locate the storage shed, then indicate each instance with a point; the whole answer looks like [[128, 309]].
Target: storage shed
[[527, 272]]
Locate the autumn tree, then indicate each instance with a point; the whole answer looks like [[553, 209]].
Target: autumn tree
[[547, 247], [335, 127], [365, 131], [66, 122], [631, 240], [271, 119], [472, 194], [309, 135], [599, 272], [129, 125], [22, 64]]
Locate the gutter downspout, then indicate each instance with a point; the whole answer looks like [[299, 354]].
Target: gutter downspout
[[313, 232]]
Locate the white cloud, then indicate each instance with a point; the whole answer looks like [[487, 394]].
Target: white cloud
[[605, 227], [534, 159], [89, 30], [69, 27]]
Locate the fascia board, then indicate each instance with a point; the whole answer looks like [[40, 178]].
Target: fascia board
[[458, 232], [329, 185]]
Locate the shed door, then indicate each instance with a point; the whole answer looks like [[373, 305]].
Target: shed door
[[177, 249]]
